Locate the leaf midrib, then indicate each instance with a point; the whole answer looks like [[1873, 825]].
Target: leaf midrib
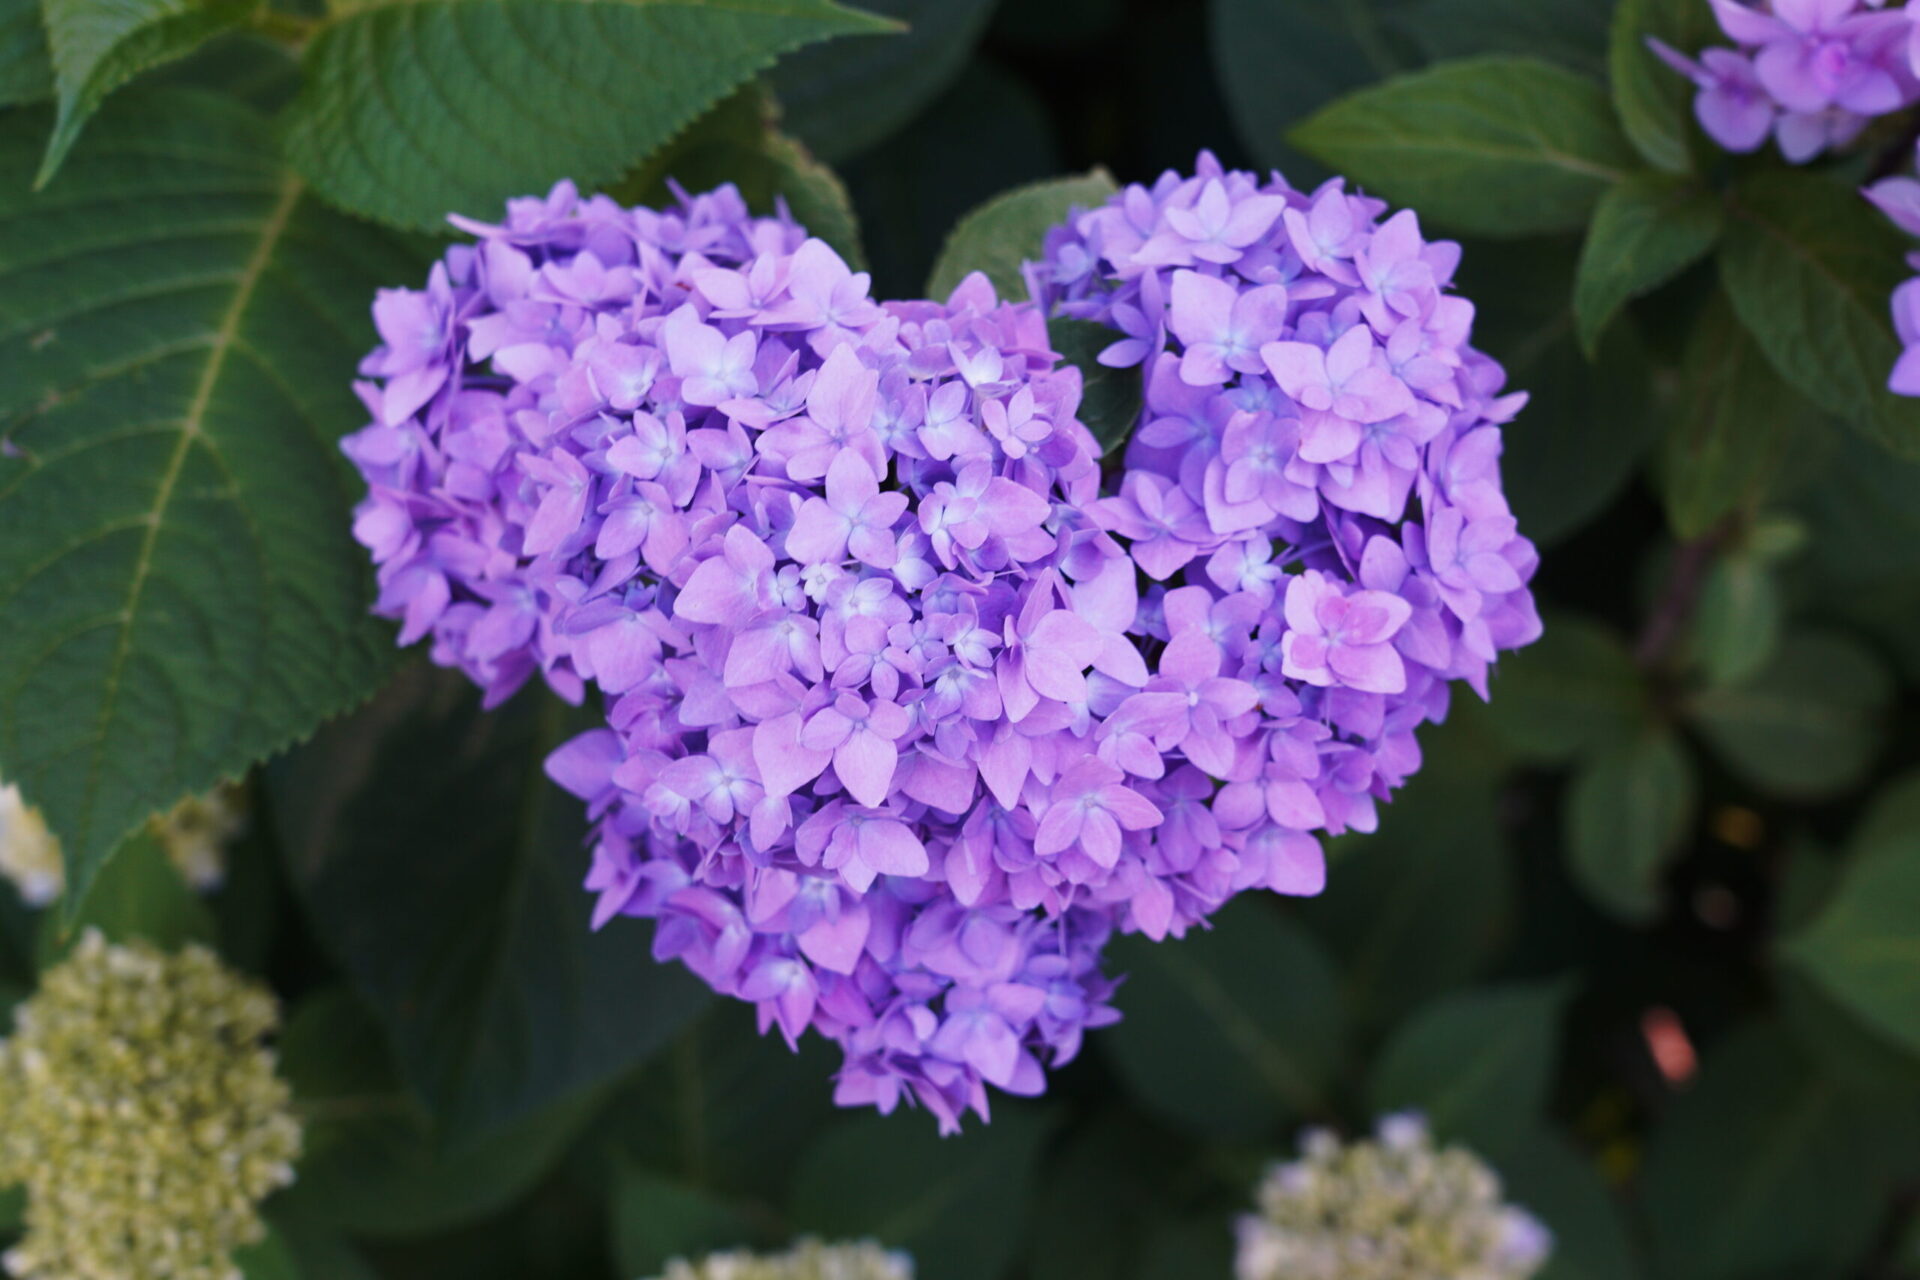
[[192, 429]]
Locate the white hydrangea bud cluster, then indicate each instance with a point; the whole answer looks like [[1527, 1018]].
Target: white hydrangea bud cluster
[[194, 834], [29, 853], [806, 1260], [140, 1108], [196, 831], [1393, 1208]]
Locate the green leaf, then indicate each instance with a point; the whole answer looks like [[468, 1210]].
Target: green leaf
[[268, 1259], [1655, 102], [955, 1204], [1757, 1168], [1101, 1194], [1809, 266], [1574, 691], [1495, 146], [1110, 399], [1570, 32], [1580, 438], [1737, 621], [1550, 1178], [1627, 815], [724, 1108], [26, 71], [179, 593], [1278, 60], [739, 141], [318, 1250], [656, 1218], [1863, 949], [99, 45], [846, 95], [1423, 904], [372, 1163], [1646, 230], [137, 895], [1477, 1063], [1809, 724], [1009, 229], [1729, 429], [442, 869], [412, 109], [1212, 1041]]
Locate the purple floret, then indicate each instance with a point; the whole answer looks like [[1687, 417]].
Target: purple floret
[[908, 711]]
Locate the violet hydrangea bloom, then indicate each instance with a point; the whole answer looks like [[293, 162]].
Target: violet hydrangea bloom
[[1810, 73], [906, 713]]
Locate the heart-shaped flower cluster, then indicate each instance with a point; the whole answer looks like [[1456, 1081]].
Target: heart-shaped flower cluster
[[896, 739]]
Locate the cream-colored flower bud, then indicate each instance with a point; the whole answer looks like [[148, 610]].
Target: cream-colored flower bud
[[1393, 1208], [29, 853], [140, 1108], [195, 834], [806, 1260]]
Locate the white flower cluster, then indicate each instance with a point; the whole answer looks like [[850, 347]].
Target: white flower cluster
[[140, 1107], [194, 834], [806, 1260], [1393, 1208]]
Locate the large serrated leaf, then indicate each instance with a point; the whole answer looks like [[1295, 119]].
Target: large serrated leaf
[[843, 97], [179, 596], [99, 45], [1496, 146], [1645, 231], [412, 110], [26, 74], [442, 870], [1810, 267]]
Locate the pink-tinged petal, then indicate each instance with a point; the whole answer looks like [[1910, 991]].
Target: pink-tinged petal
[[786, 764], [558, 518], [1059, 827], [1100, 838], [756, 656], [819, 533], [1130, 809], [714, 594], [1153, 908], [1293, 804], [1298, 866], [969, 871], [1328, 437], [1190, 658], [850, 481], [1211, 749], [836, 945], [1229, 697], [891, 849], [1371, 668], [864, 764], [1301, 370], [584, 765], [1202, 307], [1375, 616], [1004, 764], [826, 730], [1011, 509]]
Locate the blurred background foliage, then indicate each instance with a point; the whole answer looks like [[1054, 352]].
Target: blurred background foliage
[[1645, 931]]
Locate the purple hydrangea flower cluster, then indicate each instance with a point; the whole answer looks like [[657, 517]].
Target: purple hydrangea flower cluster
[[1809, 73], [896, 738]]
